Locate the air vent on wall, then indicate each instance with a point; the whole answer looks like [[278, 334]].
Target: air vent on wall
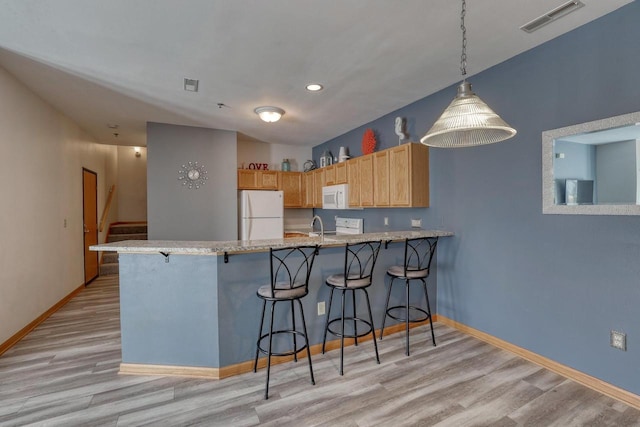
[[552, 15]]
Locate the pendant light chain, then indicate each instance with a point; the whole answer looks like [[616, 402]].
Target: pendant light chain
[[468, 120], [463, 57]]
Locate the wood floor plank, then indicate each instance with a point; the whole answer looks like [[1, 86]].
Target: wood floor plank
[[65, 373]]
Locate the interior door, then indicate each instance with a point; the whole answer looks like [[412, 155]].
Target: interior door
[[90, 223]]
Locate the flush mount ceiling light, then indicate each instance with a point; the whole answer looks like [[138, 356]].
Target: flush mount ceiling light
[[314, 87], [467, 121], [269, 114]]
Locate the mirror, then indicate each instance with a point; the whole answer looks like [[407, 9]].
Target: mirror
[[592, 168]]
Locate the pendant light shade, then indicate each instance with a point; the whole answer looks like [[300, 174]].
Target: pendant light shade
[[466, 122]]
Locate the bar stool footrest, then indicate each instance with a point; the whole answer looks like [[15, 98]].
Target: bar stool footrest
[[284, 353], [425, 314], [368, 330]]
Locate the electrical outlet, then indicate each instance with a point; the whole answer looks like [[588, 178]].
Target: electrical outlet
[[320, 308], [619, 340], [416, 222], [386, 220]]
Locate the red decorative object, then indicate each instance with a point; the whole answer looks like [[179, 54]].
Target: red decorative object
[[368, 142]]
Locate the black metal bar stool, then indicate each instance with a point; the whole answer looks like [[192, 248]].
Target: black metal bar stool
[[290, 271], [418, 254], [359, 260]]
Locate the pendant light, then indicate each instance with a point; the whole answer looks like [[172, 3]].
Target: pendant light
[[467, 121]]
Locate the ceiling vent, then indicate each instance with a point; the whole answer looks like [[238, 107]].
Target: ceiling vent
[[191, 85], [552, 15]]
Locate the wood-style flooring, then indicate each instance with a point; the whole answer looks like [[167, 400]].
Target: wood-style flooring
[[65, 373]]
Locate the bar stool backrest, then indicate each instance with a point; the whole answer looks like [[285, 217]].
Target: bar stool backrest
[[291, 267], [359, 260], [418, 254]]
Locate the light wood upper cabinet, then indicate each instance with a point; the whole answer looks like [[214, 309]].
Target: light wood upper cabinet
[[395, 177], [365, 166], [409, 175], [353, 179], [318, 183], [341, 173], [291, 185], [309, 192], [381, 178], [330, 175], [250, 179]]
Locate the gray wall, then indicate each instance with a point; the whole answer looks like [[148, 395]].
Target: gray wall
[[616, 172], [553, 284], [175, 212], [579, 160]]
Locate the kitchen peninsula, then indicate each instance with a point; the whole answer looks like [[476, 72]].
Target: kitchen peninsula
[[189, 307]]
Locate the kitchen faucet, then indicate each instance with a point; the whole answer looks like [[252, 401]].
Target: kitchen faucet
[[321, 226]]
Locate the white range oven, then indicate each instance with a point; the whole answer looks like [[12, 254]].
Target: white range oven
[[349, 225]]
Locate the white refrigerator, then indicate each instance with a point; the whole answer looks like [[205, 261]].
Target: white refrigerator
[[261, 214]]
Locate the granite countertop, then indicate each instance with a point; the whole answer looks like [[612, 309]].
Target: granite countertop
[[238, 246]]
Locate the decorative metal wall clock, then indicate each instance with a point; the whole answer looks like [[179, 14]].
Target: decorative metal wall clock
[[193, 175]]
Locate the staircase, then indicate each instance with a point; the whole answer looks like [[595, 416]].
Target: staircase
[[118, 233]]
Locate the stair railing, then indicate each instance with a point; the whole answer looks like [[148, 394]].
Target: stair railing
[[107, 207]]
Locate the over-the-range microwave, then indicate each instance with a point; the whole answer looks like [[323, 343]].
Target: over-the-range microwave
[[335, 196]]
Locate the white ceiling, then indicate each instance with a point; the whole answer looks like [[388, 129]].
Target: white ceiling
[[124, 61]]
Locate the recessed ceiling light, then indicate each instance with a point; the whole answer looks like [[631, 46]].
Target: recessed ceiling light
[[269, 114], [191, 85], [314, 87]]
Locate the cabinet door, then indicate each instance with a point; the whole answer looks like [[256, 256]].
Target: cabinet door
[[268, 180], [341, 173], [365, 166], [409, 175], [330, 175], [419, 175], [318, 183], [309, 192], [247, 179], [353, 179], [381, 178], [291, 185], [399, 175]]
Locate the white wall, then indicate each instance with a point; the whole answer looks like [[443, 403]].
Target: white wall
[[252, 151], [42, 154], [131, 189]]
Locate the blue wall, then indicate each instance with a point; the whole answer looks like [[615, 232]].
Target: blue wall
[[554, 284]]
